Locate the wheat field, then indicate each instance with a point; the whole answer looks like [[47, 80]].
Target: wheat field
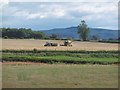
[[29, 44]]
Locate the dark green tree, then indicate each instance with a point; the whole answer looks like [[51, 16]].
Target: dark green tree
[[21, 33], [83, 30], [38, 35]]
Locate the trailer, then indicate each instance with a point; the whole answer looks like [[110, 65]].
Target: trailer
[[51, 44]]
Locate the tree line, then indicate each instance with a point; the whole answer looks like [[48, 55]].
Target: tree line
[[21, 33]]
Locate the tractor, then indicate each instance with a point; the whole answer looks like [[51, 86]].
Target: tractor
[[67, 43]]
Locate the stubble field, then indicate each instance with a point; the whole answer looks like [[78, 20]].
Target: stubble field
[[29, 44]]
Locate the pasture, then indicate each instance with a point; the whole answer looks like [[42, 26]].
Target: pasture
[[30, 44], [38, 75]]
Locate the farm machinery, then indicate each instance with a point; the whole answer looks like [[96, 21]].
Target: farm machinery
[[66, 43], [50, 44]]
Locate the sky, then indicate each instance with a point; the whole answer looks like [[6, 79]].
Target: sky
[[49, 15]]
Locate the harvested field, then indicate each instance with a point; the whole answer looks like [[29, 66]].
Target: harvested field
[[29, 44]]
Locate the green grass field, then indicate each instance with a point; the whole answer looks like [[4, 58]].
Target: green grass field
[[59, 76]]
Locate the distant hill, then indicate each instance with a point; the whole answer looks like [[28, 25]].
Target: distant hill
[[72, 32]]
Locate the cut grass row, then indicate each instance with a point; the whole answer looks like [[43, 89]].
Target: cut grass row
[[68, 57], [59, 52], [80, 54], [60, 59]]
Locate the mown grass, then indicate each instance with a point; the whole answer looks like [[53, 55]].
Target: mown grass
[[57, 51], [73, 57]]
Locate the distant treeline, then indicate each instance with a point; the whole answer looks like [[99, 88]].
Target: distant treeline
[[21, 33]]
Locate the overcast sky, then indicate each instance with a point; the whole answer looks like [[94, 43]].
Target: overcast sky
[[48, 15]]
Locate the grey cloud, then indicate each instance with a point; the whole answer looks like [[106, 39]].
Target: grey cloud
[[50, 15]]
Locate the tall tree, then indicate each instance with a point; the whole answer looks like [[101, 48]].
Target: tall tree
[[83, 30]]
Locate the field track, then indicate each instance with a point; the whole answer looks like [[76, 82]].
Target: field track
[[29, 44]]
